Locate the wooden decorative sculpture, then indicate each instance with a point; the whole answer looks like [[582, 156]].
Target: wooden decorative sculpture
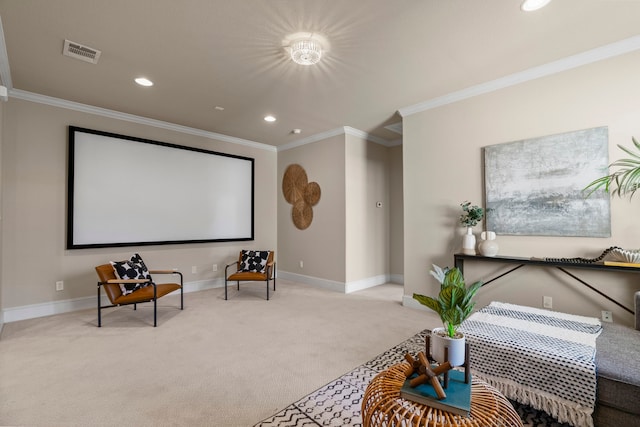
[[301, 194], [426, 373]]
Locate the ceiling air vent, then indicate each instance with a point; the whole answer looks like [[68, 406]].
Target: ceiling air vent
[[83, 53]]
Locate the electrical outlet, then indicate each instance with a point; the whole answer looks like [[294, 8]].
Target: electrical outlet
[[60, 286], [215, 267], [194, 269], [607, 316], [547, 302], [301, 264]]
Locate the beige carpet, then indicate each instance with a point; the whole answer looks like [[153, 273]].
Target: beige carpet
[[217, 363]]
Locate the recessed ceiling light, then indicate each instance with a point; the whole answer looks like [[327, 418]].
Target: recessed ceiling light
[[269, 119], [142, 81], [219, 108], [531, 5]]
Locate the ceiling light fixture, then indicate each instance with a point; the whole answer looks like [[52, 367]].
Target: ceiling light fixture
[[305, 48], [269, 119], [306, 52], [531, 5], [144, 81]]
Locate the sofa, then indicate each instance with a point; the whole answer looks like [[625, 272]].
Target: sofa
[[618, 374]]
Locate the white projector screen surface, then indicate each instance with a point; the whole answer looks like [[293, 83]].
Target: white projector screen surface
[[126, 191]]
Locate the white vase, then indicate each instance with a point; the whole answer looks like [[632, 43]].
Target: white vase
[[488, 245], [440, 340], [469, 242]]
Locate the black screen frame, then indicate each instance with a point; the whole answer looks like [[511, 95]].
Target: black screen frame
[[71, 187]]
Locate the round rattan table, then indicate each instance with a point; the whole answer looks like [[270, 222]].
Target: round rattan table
[[383, 406]]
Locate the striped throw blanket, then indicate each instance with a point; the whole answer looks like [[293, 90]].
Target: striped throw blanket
[[537, 357]]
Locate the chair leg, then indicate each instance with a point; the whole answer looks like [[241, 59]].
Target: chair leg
[[155, 307], [267, 289], [99, 309], [225, 288], [238, 282]]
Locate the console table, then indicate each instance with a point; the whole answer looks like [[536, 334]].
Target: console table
[[459, 260]]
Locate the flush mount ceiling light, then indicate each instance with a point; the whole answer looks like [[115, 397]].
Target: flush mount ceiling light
[[269, 119], [531, 5], [305, 48], [144, 81], [306, 52]]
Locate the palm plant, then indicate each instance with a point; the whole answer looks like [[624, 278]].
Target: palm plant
[[455, 301], [625, 180]]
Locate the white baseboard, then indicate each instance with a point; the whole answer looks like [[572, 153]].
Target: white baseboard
[[33, 311], [312, 281], [333, 285], [397, 278], [359, 285]]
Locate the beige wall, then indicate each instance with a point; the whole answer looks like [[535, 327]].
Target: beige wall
[[320, 246], [34, 159], [396, 213], [1, 217], [442, 166], [347, 245], [367, 226]]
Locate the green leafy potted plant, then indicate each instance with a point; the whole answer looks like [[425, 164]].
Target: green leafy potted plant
[[470, 217], [625, 180], [454, 305], [471, 214]]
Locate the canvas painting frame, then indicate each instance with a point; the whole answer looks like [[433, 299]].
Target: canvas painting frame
[[535, 186]]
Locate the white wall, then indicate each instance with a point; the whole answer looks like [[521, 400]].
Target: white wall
[[34, 164], [443, 167]]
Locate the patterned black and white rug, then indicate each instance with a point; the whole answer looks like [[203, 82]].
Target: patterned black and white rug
[[338, 403]]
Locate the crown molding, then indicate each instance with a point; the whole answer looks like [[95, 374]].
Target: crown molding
[[84, 108], [311, 139], [588, 57], [5, 71], [345, 130], [364, 135]]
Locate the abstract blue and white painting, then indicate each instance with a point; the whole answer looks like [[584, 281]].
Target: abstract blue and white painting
[[534, 186]]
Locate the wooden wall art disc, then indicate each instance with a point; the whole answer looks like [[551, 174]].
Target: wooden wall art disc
[[312, 193], [294, 182], [302, 214]]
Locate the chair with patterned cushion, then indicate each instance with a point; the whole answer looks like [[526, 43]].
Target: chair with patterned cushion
[[252, 266], [129, 282]]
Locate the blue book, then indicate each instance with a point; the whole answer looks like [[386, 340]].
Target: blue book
[[458, 400]]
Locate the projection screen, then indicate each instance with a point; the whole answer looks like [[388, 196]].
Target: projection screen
[[127, 191]]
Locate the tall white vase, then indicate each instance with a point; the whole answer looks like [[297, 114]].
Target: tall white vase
[[469, 242]]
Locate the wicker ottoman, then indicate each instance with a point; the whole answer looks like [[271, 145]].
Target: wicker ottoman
[[383, 406]]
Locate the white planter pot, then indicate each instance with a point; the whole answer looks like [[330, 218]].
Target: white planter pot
[[440, 340]]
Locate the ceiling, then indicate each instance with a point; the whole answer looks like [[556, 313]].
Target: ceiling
[[383, 56]]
